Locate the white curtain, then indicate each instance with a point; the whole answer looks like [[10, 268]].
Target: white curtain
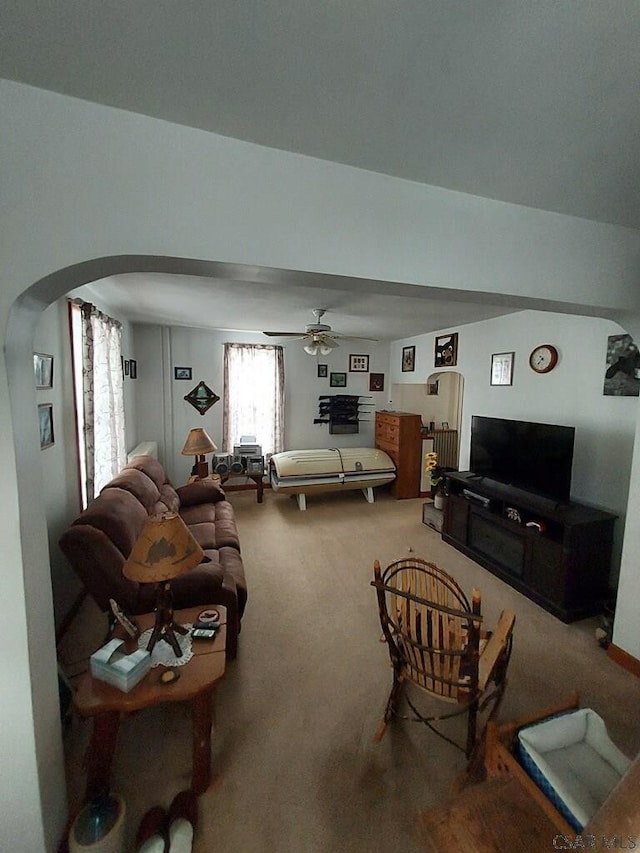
[[103, 398], [254, 396]]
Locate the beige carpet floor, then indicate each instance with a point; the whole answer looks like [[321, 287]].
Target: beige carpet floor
[[296, 769]]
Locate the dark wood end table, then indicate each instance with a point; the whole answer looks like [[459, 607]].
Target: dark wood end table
[[196, 684]]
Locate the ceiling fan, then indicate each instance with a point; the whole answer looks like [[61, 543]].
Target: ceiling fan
[[318, 336]]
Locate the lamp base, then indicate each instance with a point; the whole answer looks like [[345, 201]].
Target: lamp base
[[165, 628], [201, 468]]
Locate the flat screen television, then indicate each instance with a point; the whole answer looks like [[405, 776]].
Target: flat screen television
[[531, 456]]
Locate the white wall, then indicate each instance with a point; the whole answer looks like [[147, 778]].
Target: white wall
[[165, 416], [89, 191], [570, 395], [59, 462]]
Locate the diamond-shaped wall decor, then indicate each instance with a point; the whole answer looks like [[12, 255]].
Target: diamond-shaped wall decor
[[202, 397]]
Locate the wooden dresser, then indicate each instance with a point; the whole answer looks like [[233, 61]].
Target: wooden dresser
[[398, 434]]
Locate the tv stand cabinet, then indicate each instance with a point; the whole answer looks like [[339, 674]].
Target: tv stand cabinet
[[558, 555]]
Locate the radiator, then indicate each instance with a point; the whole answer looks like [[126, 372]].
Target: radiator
[[445, 444], [145, 448]]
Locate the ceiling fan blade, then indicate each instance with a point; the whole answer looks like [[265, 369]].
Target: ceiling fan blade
[[356, 338], [285, 334]]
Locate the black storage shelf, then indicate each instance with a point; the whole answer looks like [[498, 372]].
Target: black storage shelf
[[563, 566]]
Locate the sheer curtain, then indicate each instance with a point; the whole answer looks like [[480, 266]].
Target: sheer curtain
[[254, 395], [102, 433]]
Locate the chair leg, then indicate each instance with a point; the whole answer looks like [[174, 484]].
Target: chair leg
[[472, 728], [393, 704]]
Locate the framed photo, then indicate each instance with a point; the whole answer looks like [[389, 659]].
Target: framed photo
[[133, 369], [127, 365], [502, 368], [322, 371], [408, 359], [446, 351], [358, 364], [43, 369], [338, 380], [376, 382], [182, 373], [45, 422]]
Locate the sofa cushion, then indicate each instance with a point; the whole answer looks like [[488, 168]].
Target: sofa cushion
[[202, 491], [149, 466], [169, 497], [140, 486], [220, 516], [119, 515]]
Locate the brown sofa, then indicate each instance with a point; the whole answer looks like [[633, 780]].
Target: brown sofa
[[98, 542]]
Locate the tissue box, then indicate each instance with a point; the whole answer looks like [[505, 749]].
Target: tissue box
[[123, 671], [573, 761]]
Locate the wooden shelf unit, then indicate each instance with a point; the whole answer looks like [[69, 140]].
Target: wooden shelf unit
[[398, 434], [563, 566]]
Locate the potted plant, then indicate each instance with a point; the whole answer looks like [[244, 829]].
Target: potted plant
[[436, 474]]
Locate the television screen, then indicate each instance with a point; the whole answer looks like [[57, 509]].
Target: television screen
[[532, 456]]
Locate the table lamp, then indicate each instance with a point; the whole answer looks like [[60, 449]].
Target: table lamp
[[165, 549], [198, 444]]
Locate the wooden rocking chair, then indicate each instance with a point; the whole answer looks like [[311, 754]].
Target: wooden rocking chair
[[436, 642]]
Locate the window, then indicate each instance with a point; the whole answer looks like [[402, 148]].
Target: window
[[254, 395], [96, 345]]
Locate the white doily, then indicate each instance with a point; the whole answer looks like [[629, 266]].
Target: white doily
[[163, 654]]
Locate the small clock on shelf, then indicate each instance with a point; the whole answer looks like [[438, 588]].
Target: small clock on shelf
[[543, 358]]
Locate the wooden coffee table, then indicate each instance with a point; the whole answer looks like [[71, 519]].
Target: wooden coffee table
[[197, 681]]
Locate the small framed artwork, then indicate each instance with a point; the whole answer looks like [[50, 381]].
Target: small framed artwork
[[502, 368], [376, 382], [338, 380], [358, 364], [43, 369], [127, 365], [133, 369], [201, 397], [182, 373], [45, 423], [445, 424], [446, 351], [408, 359], [322, 371]]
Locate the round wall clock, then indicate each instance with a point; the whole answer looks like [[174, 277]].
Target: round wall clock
[[543, 358]]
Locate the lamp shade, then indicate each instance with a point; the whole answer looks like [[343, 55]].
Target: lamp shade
[[198, 443], [164, 549]]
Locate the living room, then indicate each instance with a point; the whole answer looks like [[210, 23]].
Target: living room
[[93, 191]]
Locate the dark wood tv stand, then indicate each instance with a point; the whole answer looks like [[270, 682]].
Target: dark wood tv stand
[[563, 565]]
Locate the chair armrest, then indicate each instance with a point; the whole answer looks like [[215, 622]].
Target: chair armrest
[[495, 647]]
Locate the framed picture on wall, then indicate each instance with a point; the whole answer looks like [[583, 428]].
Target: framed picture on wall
[[502, 368], [43, 369], [446, 351], [338, 380], [376, 382], [322, 371], [133, 369], [408, 359], [182, 373], [358, 364], [45, 423]]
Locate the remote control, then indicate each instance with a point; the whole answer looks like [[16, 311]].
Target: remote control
[[203, 633]]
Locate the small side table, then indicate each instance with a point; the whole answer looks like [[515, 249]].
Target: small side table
[[196, 684], [258, 479]]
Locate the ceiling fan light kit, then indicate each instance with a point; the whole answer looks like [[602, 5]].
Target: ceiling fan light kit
[[318, 336]]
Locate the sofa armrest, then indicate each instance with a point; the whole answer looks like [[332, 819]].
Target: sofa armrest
[[200, 492]]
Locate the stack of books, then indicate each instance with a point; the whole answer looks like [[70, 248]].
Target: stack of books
[[111, 664]]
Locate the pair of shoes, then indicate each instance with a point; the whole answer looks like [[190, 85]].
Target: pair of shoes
[[169, 832]]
